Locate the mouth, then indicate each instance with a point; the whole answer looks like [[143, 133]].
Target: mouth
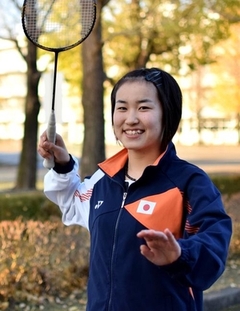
[[133, 132]]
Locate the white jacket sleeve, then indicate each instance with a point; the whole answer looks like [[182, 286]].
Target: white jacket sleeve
[[71, 195]]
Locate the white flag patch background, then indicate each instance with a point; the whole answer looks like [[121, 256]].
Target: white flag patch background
[[146, 207]]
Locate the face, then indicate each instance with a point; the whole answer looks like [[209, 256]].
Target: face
[[137, 117]]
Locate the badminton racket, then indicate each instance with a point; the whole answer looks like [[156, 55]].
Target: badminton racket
[[57, 26]]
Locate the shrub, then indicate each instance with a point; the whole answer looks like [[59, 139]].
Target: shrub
[[235, 242], [227, 184], [28, 205], [41, 258]]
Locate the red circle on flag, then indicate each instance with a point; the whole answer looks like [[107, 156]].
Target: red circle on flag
[[146, 207]]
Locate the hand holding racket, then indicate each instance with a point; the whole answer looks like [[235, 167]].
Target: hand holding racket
[[57, 26]]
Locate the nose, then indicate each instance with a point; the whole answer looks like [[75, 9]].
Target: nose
[[132, 117]]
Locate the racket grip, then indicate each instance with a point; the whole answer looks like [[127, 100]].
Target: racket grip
[[51, 135]]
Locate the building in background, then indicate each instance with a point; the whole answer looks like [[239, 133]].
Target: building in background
[[200, 123]]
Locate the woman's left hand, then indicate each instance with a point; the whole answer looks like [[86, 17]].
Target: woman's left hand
[[161, 247]]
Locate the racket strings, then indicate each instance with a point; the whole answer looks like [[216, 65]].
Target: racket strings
[[58, 24]]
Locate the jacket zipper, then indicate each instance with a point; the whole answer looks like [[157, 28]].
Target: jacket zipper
[[113, 248], [123, 199]]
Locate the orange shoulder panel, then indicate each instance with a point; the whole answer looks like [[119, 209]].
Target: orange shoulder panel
[[160, 211]]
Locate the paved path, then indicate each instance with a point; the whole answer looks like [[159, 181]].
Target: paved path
[[8, 168], [212, 159]]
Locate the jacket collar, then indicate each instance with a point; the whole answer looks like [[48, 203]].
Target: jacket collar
[[117, 162]]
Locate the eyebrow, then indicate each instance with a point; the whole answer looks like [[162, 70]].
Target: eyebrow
[[145, 100]]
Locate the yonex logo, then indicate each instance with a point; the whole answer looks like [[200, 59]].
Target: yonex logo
[[99, 203]]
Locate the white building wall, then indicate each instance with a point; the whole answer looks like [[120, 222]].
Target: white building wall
[[12, 97]]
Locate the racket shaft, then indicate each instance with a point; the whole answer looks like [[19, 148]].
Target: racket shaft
[[51, 135]]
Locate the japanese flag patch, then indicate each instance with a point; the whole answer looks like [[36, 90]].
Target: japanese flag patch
[[146, 207]]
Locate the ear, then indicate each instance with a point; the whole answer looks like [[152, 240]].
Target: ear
[[118, 142]]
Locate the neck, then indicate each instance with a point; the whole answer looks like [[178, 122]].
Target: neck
[[143, 156], [138, 162]]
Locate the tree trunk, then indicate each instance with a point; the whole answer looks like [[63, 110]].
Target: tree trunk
[[27, 169], [92, 99]]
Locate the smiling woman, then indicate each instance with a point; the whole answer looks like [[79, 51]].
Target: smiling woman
[[137, 119], [166, 92], [159, 231]]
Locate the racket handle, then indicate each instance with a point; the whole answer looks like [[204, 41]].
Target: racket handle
[[51, 135]]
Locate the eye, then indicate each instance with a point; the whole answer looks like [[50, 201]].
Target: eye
[[144, 108], [121, 108]]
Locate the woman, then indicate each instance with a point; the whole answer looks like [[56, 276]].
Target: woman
[[159, 232]]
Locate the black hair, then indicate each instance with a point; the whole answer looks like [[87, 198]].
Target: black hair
[[169, 94]]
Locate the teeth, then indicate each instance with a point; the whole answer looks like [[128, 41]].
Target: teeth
[[133, 132]]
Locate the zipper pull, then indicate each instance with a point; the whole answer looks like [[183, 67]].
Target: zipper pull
[[123, 199]]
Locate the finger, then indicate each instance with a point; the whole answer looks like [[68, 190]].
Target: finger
[[59, 142], [47, 145], [173, 242], [146, 234], [169, 235], [150, 235], [43, 137], [146, 251], [44, 153]]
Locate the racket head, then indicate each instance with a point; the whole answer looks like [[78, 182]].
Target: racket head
[[58, 25]]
